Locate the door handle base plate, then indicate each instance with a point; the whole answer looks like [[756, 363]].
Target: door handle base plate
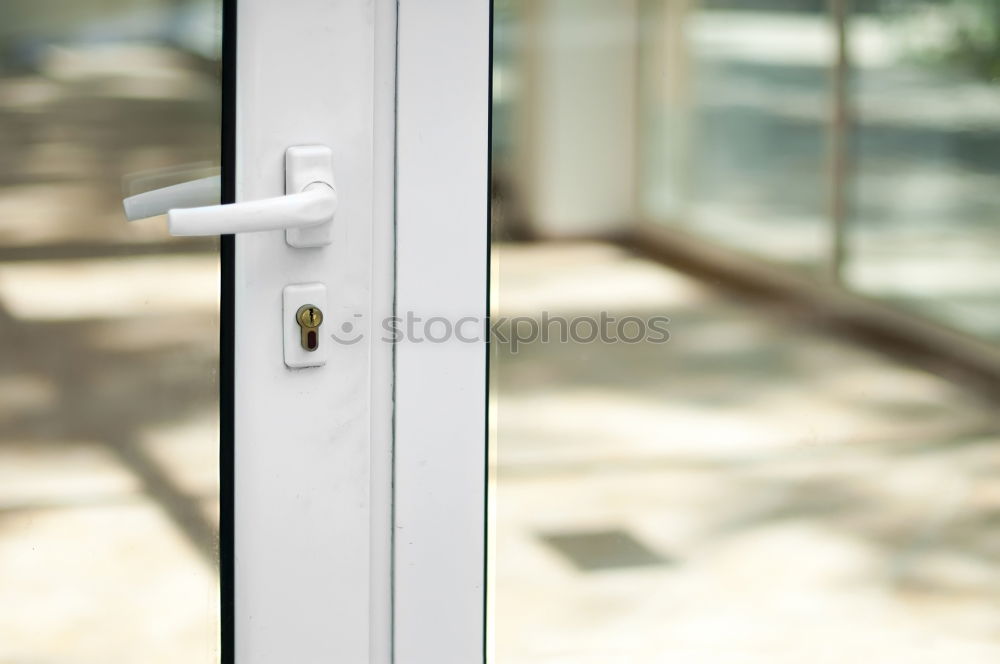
[[306, 165]]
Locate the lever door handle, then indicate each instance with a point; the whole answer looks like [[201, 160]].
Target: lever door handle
[[204, 191], [306, 210], [311, 207]]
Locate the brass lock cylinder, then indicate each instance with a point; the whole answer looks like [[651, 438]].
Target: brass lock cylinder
[[309, 317]]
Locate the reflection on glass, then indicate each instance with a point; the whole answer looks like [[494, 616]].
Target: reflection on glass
[[926, 228], [735, 102], [108, 409]]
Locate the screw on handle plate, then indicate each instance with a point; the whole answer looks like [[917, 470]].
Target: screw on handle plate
[[309, 317]]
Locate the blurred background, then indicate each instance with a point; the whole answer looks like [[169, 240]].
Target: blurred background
[[804, 472], [807, 471], [108, 408]]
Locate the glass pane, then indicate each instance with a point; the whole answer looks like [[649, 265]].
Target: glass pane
[[706, 455], [735, 98], [108, 409], [926, 229]]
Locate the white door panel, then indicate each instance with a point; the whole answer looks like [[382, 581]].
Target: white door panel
[[351, 545]]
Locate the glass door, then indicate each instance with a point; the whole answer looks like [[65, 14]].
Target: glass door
[[195, 449], [109, 382]]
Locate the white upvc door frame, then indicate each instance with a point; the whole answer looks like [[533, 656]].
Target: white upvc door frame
[[442, 269], [357, 522]]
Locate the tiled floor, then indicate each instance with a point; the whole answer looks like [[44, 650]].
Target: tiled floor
[[753, 490]]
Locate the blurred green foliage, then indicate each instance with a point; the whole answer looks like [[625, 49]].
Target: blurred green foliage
[[968, 36], [971, 32]]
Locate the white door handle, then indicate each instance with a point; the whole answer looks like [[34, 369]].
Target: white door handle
[[306, 210], [311, 207], [204, 191]]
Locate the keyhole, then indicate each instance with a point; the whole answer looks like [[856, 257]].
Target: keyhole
[[309, 317]]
